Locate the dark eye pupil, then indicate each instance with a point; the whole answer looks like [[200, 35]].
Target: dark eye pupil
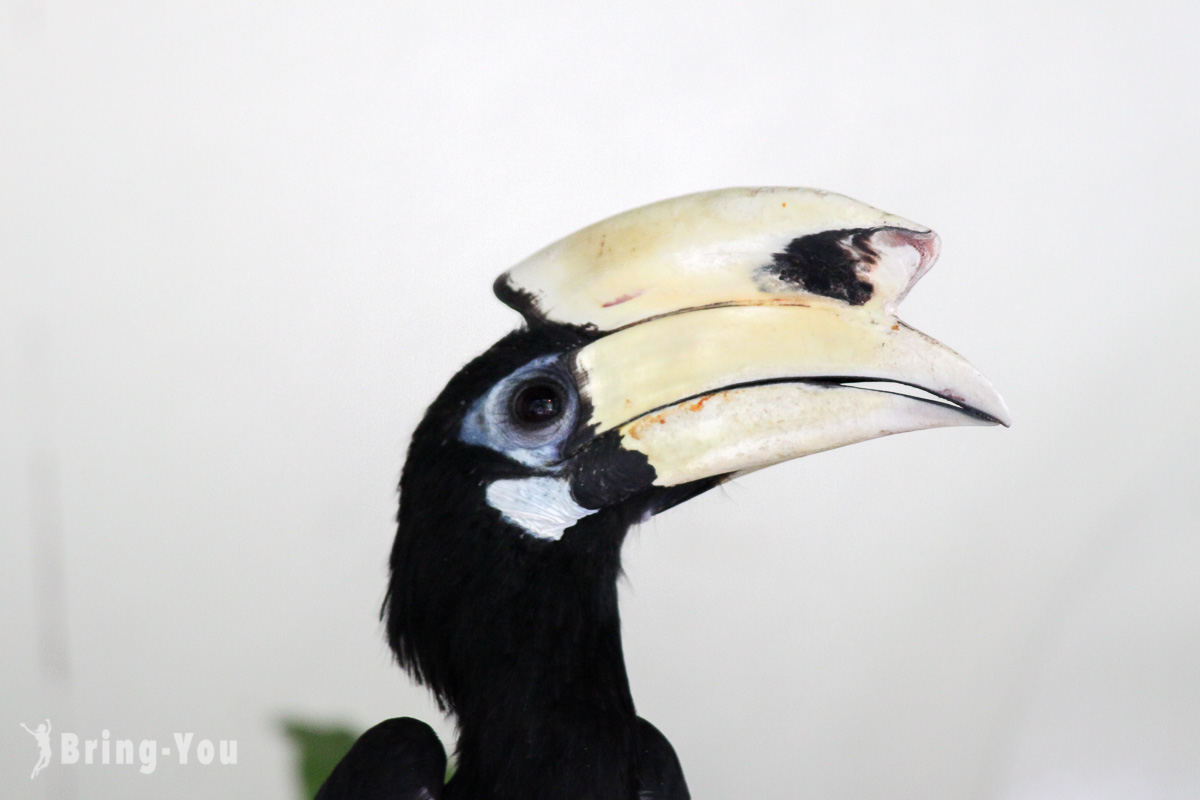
[[538, 403]]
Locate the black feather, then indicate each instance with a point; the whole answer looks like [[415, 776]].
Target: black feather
[[400, 759]]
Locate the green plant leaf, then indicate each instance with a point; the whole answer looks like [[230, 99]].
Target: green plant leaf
[[318, 747]]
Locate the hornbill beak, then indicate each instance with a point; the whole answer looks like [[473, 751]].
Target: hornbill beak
[[736, 329]]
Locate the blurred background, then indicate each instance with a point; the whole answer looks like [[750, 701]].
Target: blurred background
[[243, 244]]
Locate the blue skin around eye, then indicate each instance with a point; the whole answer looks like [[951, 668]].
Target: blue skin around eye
[[489, 424]]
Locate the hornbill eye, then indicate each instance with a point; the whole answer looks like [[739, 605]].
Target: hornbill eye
[[527, 415], [538, 403]]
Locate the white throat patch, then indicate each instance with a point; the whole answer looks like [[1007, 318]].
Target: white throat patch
[[542, 506]]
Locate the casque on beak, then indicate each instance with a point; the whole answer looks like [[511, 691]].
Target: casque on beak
[[729, 324]]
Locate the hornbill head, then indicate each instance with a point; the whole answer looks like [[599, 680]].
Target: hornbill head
[[665, 350]]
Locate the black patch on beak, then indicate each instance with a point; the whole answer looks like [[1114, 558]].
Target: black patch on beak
[[826, 264], [526, 303], [520, 300]]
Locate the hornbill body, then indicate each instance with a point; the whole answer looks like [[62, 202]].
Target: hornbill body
[[664, 351]]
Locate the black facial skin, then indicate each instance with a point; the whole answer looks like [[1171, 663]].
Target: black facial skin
[[519, 637]]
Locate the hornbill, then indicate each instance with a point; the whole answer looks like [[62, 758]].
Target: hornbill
[[664, 351]]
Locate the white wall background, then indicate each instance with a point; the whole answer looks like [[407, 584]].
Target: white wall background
[[242, 244]]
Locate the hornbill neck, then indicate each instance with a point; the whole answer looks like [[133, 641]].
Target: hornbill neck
[[547, 711], [522, 642]]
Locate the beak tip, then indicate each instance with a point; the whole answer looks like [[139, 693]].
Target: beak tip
[[1000, 413], [984, 404]]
